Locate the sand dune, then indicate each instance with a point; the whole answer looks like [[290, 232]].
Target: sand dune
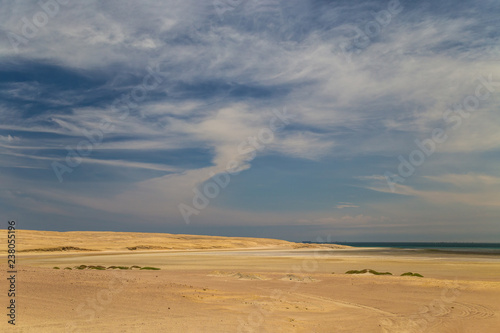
[[50, 241]]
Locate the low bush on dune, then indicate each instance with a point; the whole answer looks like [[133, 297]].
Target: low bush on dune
[[356, 271], [97, 267], [56, 249], [102, 268], [371, 271], [379, 273], [412, 274]]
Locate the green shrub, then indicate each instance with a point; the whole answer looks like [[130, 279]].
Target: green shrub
[[412, 274], [356, 271], [379, 273], [56, 267], [101, 268], [363, 271], [97, 267]]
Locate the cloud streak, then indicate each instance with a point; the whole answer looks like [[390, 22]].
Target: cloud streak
[[220, 77]]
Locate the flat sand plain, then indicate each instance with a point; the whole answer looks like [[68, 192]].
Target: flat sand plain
[[219, 284]]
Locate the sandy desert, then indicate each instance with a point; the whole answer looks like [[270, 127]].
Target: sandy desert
[[221, 284]]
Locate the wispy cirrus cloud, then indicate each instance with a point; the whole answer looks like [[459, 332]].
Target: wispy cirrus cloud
[[342, 205], [475, 190], [220, 81]]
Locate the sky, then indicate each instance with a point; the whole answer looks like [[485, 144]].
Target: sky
[[298, 119]]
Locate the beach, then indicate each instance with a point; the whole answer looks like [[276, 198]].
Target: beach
[[219, 284]]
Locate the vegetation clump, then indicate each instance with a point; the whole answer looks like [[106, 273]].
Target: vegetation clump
[[412, 274], [102, 268], [366, 270], [55, 249], [356, 271], [97, 267]]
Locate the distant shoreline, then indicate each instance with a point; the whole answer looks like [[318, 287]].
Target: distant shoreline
[[422, 245]]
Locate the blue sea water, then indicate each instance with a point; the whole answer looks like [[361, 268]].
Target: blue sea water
[[486, 248], [425, 245]]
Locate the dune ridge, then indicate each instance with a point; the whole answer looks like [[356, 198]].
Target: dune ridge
[[78, 241]]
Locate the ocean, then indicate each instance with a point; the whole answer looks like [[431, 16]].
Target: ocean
[[482, 248], [425, 245]]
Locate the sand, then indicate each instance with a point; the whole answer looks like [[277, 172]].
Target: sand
[[218, 284]]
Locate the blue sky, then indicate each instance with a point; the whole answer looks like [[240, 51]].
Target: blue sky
[[357, 121]]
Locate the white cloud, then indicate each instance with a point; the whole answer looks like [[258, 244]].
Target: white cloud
[[342, 205], [470, 189], [304, 145], [9, 138], [359, 219]]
